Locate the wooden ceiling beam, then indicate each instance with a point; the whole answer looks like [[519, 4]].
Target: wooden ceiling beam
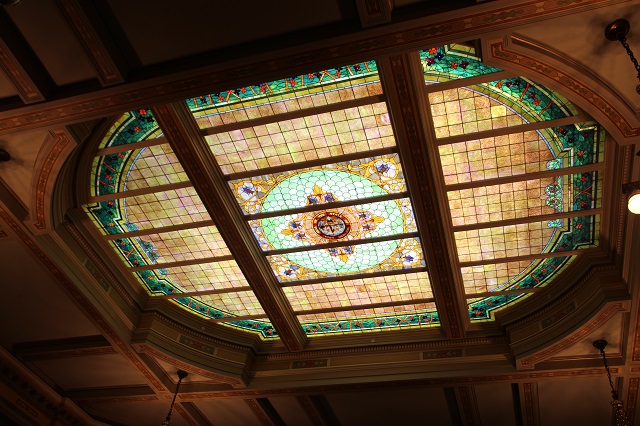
[[63, 348], [403, 82], [312, 411], [20, 64], [195, 78], [265, 412], [374, 12], [527, 400], [180, 128], [87, 25]]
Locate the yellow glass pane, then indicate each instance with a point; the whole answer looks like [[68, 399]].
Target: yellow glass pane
[[238, 303], [279, 104], [391, 288], [153, 166], [503, 241], [186, 244], [462, 111], [307, 138], [500, 156], [167, 208], [374, 319], [485, 278], [204, 276], [508, 201]]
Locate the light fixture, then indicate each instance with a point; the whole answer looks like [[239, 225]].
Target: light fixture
[[618, 30], [181, 375], [620, 417], [632, 190]]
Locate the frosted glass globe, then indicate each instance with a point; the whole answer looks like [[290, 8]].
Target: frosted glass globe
[[634, 203]]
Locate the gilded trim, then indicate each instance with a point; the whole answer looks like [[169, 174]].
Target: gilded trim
[[501, 54], [55, 150]]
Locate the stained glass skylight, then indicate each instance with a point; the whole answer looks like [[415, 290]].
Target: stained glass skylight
[[312, 162]]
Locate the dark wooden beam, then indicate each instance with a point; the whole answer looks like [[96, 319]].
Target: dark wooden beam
[[20, 64], [86, 23], [189, 79], [528, 399], [113, 394], [374, 12], [63, 348], [184, 136], [323, 408], [404, 83], [311, 410], [468, 405]]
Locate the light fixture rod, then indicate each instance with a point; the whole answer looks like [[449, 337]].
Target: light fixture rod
[[600, 345], [618, 30], [621, 418], [181, 375]]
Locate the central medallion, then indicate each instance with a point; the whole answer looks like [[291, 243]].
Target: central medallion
[[326, 226], [331, 225]]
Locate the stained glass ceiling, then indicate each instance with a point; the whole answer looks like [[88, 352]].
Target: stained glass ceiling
[[314, 166]]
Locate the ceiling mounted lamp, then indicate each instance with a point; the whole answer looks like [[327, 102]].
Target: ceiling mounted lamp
[[620, 417], [181, 375], [632, 190], [618, 30]]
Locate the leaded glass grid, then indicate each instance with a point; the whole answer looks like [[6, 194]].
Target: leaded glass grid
[[313, 137], [313, 165]]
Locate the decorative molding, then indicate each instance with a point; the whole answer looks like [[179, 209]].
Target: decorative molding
[[97, 53], [185, 415], [53, 153], [95, 273], [34, 397], [398, 384], [310, 363], [198, 346], [529, 401], [153, 315], [374, 12], [468, 405], [602, 317], [70, 353], [632, 399], [310, 410], [21, 80], [501, 54], [627, 157], [121, 399], [144, 348], [98, 269], [259, 412], [566, 295], [400, 347], [442, 354], [413, 35], [559, 314]]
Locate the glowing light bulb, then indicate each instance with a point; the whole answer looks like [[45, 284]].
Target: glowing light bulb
[[634, 203]]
